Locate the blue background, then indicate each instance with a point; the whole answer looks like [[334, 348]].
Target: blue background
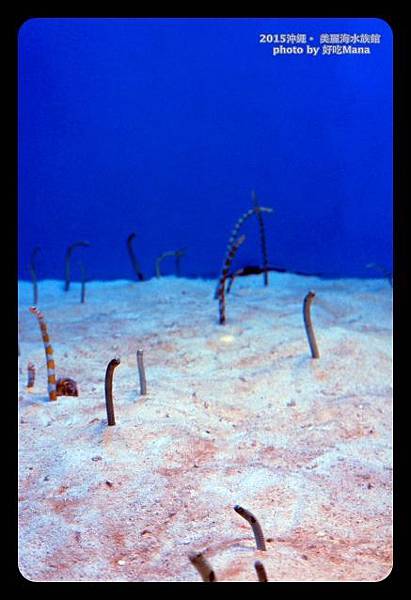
[[164, 126]]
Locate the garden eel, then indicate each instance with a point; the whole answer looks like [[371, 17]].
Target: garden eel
[[235, 231], [141, 373], [261, 573], [63, 386], [33, 273], [203, 566], [109, 390], [221, 285], [51, 368], [177, 253], [309, 326], [256, 527], [31, 375], [68, 257], [263, 240], [133, 258]]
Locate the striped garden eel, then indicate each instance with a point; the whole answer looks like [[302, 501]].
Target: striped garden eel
[[234, 234], [51, 368], [224, 274], [64, 386], [263, 240]]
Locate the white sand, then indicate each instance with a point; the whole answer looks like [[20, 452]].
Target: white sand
[[235, 414]]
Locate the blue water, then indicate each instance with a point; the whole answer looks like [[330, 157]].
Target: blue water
[[164, 126]]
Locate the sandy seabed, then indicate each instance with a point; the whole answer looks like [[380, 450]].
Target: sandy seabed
[[235, 414]]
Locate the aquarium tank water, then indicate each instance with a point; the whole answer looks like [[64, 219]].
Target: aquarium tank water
[[164, 127]]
